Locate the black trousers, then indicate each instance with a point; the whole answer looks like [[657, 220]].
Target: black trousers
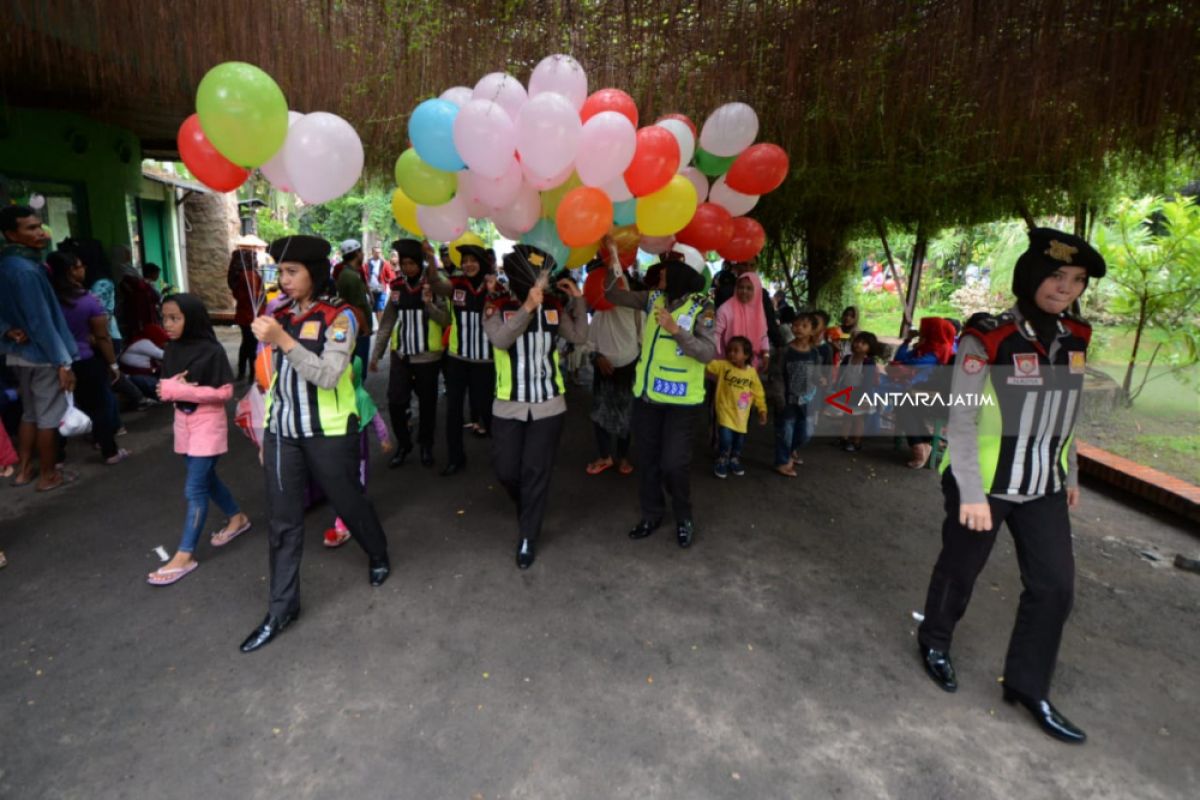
[[247, 350], [664, 453], [473, 379], [93, 395], [523, 457], [405, 379], [1041, 531], [332, 461]]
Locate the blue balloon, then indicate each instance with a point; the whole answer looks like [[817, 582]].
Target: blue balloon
[[544, 236], [431, 131], [625, 212]]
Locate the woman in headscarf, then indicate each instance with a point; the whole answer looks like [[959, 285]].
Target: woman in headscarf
[[614, 337], [677, 341], [744, 316], [530, 407]]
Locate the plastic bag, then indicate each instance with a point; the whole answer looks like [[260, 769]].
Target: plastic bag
[[74, 421], [250, 414]]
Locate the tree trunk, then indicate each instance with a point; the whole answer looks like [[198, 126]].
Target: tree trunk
[[914, 279], [828, 262], [1127, 384]]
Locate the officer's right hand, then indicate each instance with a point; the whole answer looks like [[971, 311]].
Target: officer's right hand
[[534, 299], [975, 516], [604, 365]]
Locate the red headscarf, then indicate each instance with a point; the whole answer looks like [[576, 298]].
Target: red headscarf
[[744, 319], [937, 337]]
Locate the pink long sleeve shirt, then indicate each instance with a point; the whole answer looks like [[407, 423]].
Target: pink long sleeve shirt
[[204, 432]]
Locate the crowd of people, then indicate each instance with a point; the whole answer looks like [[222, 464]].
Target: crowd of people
[[669, 357]]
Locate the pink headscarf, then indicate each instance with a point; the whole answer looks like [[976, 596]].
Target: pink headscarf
[[744, 319]]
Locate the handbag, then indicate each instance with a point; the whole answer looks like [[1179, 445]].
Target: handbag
[[74, 422]]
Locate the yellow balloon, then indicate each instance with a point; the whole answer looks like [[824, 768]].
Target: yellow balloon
[[668, 210], [552, 198], [405, 212], [470, 237], [582, 255]]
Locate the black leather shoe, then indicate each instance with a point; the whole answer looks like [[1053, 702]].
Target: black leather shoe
[[939, 667], [401, 454], [645, 528], [1048, 718], [379, 571], [268, 630], [525, 554], [452, 469], [684, 533], [426, 456]]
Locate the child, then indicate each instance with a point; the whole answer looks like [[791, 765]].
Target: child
[[860, 371], [197, 378], [369, 417], [794, 380], [737, 387]]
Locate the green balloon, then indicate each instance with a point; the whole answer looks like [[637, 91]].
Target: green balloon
[[242, 112], [710, 165], [422, 183]]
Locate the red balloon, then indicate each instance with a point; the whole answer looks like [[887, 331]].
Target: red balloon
[[682, 118], [654, 163], [210, 167], [609, 100], [747, 240], [711, 228], [584, 216], [759, 169]]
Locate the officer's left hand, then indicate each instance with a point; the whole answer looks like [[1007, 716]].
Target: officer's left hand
[[1073, 498], [427, 293], [667, 322], [567, 285], [267, 329]]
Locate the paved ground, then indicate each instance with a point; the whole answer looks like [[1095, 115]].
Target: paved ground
[[774, 659]]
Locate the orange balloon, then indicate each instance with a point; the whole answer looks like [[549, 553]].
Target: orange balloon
[[583, 216]]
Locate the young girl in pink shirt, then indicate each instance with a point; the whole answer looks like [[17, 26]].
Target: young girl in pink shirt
[[198, 380]]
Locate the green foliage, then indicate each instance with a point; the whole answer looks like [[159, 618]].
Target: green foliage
[[270, 229], [352, 216]]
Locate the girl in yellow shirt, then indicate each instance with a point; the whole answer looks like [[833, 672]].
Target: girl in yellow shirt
[[738, 387]]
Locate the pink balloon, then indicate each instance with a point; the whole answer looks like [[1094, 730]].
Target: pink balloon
[[443, 223], [542, 184], [656, 244], [616, 189], [504, 89], [485, 138], [323, 157], [735, 203], [683, 135], [548, 131], [560, 74], [698, 180], [522, 214], [459, 95], [497, 192], [606, 146], [274, 170], [468, 190]]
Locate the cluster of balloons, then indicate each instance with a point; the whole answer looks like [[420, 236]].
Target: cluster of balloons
[[556, 167], [242, 121]]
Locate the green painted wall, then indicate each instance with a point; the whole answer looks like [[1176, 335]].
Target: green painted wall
[[60, 146]]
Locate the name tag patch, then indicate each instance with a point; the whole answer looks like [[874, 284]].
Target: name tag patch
[[1026, 365], [311, 330], [551, 317], [460, 297], [1078, 362]]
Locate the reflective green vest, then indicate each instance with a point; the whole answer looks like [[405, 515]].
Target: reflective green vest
[[305, 410], [415, 331], [528, 372], [665, 374]]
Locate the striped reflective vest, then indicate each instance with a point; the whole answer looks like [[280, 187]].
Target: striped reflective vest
[[467, 339], [664, 373], [297, 409], [415, 330], [1026, 431], [528, 372]]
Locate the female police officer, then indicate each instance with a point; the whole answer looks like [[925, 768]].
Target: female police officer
[[311, 427], [1014, 462]]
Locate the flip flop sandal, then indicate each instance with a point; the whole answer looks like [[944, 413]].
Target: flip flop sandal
[[18, 483], [338, 538], [67, 478], [173, 575], [217, 540], [595, 468]]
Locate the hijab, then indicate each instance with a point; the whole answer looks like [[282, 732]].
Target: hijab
[[745, 319], [937, 337], [682, 280], [197, 351]]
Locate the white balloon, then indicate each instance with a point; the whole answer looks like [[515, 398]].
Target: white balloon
[[561, 74], [322, 156], [683, 135], [691, 256], [485, 137], [503, 89], [606, 147], [616, 190], [729, 130], [522, 214], [735, 203], [699, 180], [273, 170], [459, 95], [656, 245], [443, 223]]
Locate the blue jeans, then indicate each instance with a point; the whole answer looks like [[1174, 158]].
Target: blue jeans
[[201, 486], [729, 442], [791, 425]]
